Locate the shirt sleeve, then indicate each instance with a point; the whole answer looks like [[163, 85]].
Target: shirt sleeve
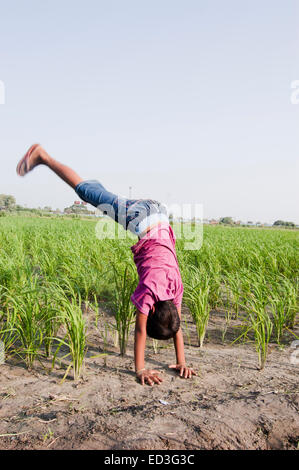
[[143, 299]]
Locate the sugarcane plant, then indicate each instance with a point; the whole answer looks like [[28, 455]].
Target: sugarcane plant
[[197, 299], [125, 281], [259, 322]]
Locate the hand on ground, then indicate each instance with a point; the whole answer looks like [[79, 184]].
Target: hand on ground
[[184, 371], [149, 377]]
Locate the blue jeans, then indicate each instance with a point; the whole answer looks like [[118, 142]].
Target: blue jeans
[[135, 215]]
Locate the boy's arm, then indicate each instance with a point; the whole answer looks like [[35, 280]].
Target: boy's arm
[[145, 376], [180, 365]]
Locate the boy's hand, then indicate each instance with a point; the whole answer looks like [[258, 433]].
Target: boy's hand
[[184, 371], [149, 377]]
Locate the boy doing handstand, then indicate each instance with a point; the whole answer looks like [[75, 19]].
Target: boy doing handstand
[[159, 293]]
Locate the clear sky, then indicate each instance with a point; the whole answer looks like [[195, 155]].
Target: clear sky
[[185, 101]]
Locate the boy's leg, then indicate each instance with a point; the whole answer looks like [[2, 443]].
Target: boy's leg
[[91, 191], [38, 156], [129, 213]]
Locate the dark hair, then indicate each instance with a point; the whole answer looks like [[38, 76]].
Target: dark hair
[[164, 321]]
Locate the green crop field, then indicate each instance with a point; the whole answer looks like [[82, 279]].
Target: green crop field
[[51, 269]]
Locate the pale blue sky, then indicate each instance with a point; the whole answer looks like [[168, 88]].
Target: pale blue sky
[[185, 101]]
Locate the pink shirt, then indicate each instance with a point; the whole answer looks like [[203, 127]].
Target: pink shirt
[[158, 270]]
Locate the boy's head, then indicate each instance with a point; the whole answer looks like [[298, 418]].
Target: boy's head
[[163, 320]]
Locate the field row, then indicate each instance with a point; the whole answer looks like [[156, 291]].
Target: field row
[[50, 268]]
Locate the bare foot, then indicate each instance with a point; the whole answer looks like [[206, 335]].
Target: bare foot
[[36, 155]]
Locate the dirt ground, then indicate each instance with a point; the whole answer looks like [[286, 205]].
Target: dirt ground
[[229, 405]]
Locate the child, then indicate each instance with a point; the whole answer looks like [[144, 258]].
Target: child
[[159, 293]]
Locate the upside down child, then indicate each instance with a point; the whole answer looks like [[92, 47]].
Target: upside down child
[[159, 293]]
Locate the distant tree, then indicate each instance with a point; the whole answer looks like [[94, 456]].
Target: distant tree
[[226, 221], [279, 222], [7, 202], [282, 223]]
